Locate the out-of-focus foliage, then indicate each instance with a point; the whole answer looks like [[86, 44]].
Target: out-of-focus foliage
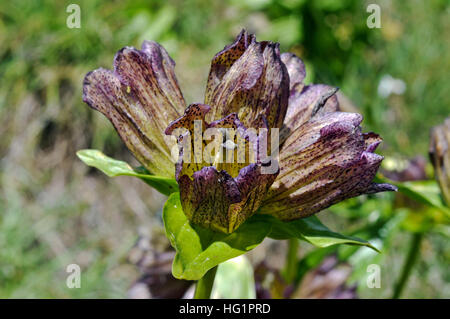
[[55, 211]]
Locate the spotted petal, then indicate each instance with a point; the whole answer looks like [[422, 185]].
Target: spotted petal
[[306, 102], [224, 59], [324, 161], [248, 78], [140, 97], [295, 68], [218, 195]]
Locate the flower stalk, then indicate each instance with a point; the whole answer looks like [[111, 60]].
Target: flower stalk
[[290, 270], [411, 258], [204, 286]]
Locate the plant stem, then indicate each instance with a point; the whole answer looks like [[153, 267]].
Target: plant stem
[[290, 270], [205, 284], [413, 252]]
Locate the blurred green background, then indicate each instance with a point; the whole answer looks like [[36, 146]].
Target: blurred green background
[[55, 211]]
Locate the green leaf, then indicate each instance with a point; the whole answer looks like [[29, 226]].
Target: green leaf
[[425, 192], [199, 249], [234, 280], [312, 231], [113, 167]]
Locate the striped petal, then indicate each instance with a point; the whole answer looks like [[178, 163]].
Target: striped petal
[[306, 102], [140, 97], [324, 161], [248, 78], [224, 59], [295, 68]]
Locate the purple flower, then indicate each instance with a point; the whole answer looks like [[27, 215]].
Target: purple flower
[[323, 157], [440, 156]]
